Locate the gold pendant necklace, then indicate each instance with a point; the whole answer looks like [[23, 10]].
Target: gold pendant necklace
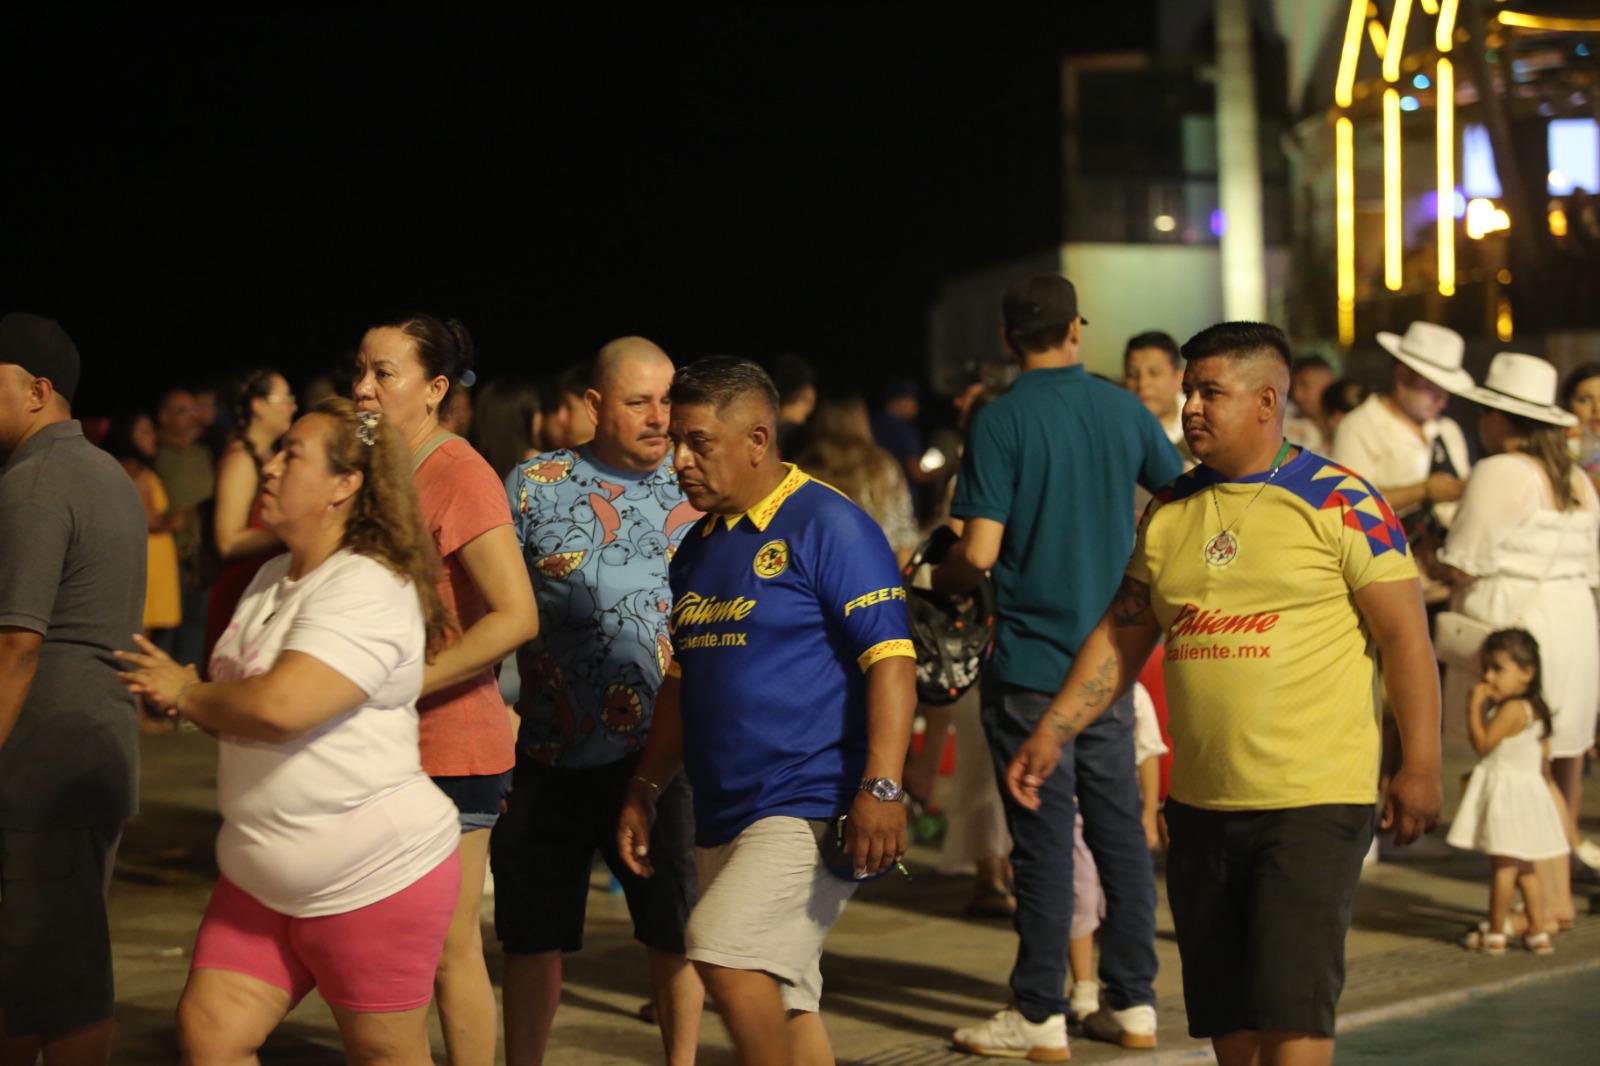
[[1223, 548]]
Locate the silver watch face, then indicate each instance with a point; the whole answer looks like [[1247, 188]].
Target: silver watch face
[[883, 788]]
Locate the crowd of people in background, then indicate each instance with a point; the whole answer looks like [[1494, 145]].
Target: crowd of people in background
[[677, 616]]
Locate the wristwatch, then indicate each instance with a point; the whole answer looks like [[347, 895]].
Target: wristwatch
[[886, 789]]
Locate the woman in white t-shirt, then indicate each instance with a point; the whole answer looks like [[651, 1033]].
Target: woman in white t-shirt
[[338, 854]]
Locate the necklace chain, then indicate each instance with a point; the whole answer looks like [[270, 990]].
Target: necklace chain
[[1277, 464]]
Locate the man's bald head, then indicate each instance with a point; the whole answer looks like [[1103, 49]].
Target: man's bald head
[[628, 403], [614, 360]]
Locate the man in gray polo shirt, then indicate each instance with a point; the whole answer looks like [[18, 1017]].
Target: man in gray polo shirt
[[72, 573]]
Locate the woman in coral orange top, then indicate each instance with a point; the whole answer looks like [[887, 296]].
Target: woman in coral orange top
[[406, 368]]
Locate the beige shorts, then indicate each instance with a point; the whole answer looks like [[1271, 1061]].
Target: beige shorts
[[766, 903]]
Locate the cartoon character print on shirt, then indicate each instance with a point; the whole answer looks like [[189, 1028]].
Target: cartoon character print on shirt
[[590, 537]]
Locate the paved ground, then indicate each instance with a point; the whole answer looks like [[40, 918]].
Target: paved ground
[[1519, 1023], [904, 966]]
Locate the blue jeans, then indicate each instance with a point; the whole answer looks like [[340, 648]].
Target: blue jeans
[[1098, 767]]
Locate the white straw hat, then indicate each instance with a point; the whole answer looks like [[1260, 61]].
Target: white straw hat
[[1432, 351], [1523, 385]]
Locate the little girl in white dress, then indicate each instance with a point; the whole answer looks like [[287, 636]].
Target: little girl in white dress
[[1507, 810]]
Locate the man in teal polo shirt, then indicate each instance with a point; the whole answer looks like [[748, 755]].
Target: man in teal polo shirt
[[1046, 487], [788, 702]]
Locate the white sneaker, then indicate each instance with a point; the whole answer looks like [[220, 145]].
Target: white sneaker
[[1134, 1027], [1588, 853], [1085, 999], [1008, 1035]]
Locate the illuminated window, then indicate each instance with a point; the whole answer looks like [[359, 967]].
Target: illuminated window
[[1478, 174], [1574, 149]]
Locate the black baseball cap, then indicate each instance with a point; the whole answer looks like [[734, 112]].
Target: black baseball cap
[[1039, 302], [42, 348]]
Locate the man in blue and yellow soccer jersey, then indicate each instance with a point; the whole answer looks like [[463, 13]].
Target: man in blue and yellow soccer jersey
[[789, 703], [1272, 572]]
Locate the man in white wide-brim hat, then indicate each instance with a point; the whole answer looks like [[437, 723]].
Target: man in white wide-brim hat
[[1400, 439]]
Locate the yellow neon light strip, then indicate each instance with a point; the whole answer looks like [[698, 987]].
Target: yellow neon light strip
[[1392, 234], [1444, 31], [1547, 22], [1344, 85], [1380, 40], [1397, 40], [1344, 213], [1431, 6], [1445, 152]]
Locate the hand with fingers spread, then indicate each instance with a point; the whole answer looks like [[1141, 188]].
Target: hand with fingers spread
[[1035, 760], [155, 675], [874, 835]]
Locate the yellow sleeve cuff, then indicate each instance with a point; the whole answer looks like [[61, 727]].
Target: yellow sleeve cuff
[[887, 649]]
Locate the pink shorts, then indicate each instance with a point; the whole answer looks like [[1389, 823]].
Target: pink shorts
[[376, 959]]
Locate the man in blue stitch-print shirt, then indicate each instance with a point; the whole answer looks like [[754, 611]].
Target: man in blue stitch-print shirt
[[598, 525]]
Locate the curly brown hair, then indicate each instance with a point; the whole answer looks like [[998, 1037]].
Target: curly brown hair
[[385, 520]]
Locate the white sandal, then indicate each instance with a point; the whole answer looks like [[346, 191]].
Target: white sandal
[[1483, 941]]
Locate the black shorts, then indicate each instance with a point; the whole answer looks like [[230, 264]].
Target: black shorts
[[543, 849], [55, 943], [1261, 902]]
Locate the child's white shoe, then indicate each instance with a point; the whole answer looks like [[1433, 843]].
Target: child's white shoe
[[1085, 999]]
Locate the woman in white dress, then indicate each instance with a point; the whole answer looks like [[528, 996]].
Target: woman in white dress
[[1523, 553]]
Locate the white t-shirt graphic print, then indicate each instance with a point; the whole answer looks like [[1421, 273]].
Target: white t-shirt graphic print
[[342, 816]]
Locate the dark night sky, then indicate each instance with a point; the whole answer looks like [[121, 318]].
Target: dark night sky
[[191, 197]]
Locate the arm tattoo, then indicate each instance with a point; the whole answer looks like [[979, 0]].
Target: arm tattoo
[[1093, 695], [1132, 605]]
